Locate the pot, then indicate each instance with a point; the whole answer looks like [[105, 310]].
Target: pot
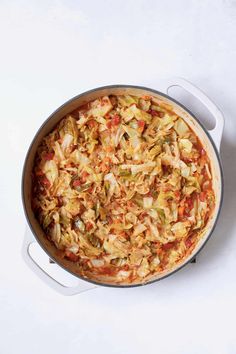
[[209, 139]]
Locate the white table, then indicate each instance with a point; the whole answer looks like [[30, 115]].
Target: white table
[[51, 51]]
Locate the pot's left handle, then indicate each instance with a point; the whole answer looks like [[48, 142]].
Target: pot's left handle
[[48, 279]]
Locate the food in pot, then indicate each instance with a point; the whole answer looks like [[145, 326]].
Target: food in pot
[[122, 186]]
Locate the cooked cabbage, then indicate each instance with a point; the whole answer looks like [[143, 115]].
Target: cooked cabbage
[[50, 169], [186, 145], [181, 128], [124, 189]]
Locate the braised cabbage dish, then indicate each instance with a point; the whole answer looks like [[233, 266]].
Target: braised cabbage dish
[[122, 186]]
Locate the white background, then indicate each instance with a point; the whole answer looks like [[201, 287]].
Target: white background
[[53, 50]]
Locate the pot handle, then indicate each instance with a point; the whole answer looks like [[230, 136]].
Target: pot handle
[[217, 131], [48, 279]]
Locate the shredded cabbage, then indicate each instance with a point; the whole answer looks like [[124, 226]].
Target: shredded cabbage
[[181, 128], [186, 145], [51, 171], [124, 189], [147, 202]]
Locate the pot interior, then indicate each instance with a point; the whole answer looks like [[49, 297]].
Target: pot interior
[[81, 100]]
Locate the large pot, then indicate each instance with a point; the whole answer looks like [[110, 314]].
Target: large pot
[[210, 141]]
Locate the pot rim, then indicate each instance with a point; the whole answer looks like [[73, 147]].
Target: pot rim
[[194, 254]]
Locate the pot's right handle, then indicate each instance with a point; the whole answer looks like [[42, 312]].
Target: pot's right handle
[[48, 279], [215, 133]]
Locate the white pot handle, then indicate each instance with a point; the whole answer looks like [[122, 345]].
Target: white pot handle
[[43, 275], [215, 133]]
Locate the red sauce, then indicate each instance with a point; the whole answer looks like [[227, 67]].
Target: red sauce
[[48, 156], [111, 270], [115, 120], [71, 256], [168, 246]]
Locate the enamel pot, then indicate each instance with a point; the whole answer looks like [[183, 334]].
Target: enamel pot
[[209, 139]]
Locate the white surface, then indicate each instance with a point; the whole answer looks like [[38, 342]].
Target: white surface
[[53, 50]]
